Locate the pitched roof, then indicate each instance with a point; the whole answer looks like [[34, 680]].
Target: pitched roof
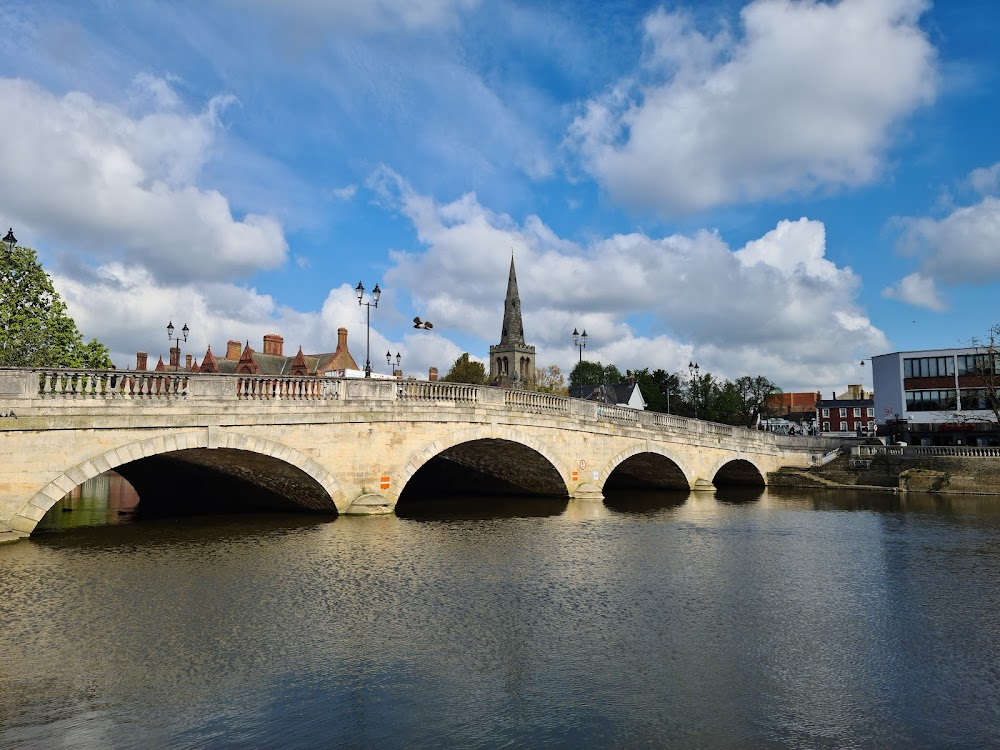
[[608, 393]]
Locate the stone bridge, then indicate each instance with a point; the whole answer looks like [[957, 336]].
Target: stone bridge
[[346, 445]]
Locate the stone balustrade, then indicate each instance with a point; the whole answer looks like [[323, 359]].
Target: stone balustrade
[[23, 388], [927, 451]]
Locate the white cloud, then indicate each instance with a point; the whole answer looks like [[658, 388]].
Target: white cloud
[[918, 290], [806, 99], [345, 193], [776, 307], [985, 180], [122, 188], [961, 248]]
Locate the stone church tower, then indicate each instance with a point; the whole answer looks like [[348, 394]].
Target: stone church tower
[[512, 362]]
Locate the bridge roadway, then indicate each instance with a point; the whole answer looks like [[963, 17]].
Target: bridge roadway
[[347, 446]]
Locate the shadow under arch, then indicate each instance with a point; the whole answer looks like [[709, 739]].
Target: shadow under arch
[[495, 462], [322, 493], [737, 472], [644, 467]]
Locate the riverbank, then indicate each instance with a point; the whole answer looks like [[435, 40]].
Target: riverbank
[[896, 472]]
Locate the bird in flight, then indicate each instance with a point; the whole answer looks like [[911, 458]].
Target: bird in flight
[[425, 325]]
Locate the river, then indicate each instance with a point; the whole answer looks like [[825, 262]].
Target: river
[[769, 619]]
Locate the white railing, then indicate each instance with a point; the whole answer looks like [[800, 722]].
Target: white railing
[[419, 390], [925, 451], [535, 400], [110, 383], [294, 388], [62, 384], [827, 457]]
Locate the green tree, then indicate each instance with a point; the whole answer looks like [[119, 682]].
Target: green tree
[[670, 388], [466, 371], [35, 329], [594, 373], [753, 394], [656, 400]]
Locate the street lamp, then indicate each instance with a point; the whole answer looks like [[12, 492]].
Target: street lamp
[[693, 372], [388, 360], [376, 293], [10, 240], [170, 337], [580, 341]]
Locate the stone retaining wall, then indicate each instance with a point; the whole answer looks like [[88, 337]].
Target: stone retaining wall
[[944, 474]]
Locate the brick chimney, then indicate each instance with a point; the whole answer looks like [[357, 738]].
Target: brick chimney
[[140, 360], [341, 339], [175, 356], [187, 361], [234, 350], [432, 374], [273, 344]]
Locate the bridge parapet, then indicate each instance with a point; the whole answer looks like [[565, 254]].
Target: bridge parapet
[[43, 390]]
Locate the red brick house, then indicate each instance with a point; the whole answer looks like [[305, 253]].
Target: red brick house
[[242, 359]]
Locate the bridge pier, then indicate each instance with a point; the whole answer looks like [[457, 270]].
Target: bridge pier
[[369, 504], [589, 492], [703, 485]]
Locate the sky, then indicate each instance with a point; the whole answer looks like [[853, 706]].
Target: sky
[[778, 187]]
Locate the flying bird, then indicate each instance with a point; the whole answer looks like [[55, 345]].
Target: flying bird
[[425, 325]]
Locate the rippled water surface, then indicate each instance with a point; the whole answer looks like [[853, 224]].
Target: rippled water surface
[[769, 621]]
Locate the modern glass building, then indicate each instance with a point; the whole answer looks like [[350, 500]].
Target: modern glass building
[[937, 396]]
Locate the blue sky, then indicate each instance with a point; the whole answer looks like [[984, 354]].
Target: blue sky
[[774, 187]]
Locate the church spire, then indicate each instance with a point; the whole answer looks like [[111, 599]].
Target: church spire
[[513, 329]]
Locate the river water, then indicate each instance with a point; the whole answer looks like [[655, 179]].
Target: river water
[[769, 620]]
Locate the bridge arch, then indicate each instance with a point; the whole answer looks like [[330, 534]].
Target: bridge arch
[[640, 450], [737, 470], [114, 458], [506, 434]]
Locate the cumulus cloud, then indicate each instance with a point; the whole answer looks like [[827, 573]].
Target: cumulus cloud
[[917, 290], [123, 187], [985, 180], [777, 306], [960, 248], [805, 99]]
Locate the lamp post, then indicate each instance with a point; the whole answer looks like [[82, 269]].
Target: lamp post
[[388, 360], [170, 337], [693, 372], [580, 341], [376, 293], [10, 241]]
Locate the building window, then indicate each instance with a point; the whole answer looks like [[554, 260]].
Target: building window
[[826, 412], [928, 367], [843, 426], [826, 427], [857, 411], [977, 364], [975, 399], [843, 412], [871, 411], [943, 400], [871, 427]]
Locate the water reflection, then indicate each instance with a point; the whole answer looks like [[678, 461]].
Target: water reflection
[[102, 500], [789, 619], [480, 508], [739, 494], [644, 502]]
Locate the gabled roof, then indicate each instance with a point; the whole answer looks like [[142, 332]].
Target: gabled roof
[[611, 393]]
